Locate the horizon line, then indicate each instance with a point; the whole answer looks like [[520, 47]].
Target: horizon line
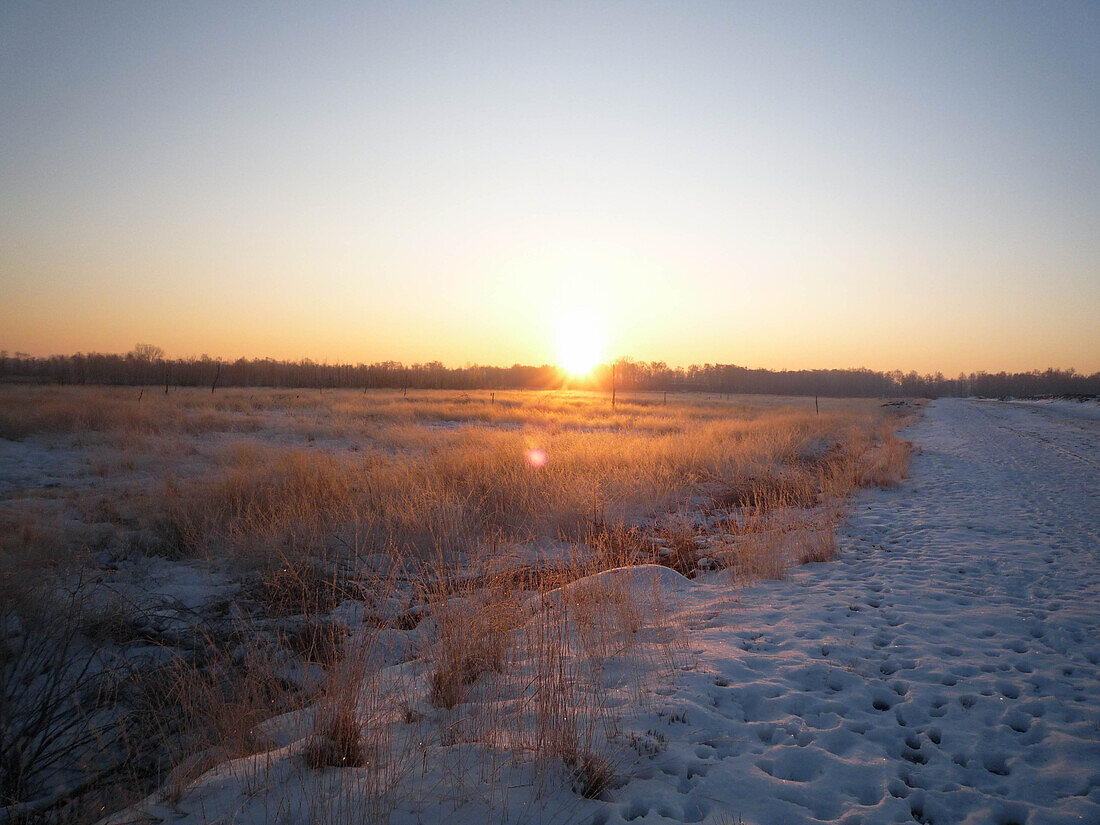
[[23, 355]]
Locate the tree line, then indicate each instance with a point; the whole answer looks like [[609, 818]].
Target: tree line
[[146, 365]]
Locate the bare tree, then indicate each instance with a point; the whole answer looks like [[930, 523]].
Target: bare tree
[[147, 352]]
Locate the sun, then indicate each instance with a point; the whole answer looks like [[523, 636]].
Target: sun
[[580, 342]]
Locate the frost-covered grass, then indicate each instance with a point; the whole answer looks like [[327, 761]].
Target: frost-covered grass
[[419, 584], [28, 410], [211, 474]]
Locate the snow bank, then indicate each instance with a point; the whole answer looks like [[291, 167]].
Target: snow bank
[[643, 584]]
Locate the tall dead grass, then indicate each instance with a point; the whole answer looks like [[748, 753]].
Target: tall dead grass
[[530, 674], [340, 414], [377, 498], [452, 488]]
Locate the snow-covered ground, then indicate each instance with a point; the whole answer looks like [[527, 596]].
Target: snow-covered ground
[[945, 669], [1087, 408]]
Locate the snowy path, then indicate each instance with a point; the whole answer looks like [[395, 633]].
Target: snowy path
[[945, 669]]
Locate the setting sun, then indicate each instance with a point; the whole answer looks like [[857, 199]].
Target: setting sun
[[580, 344]]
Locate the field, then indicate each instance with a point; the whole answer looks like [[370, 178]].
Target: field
[[512, 413], [439, 606]]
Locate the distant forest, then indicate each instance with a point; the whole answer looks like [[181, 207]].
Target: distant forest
[[146, 366]]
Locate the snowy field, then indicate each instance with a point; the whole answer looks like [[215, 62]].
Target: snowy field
[[176, 569], [944, 669]]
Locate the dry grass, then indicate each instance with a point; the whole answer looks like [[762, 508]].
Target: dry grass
[[472, 636], [217, 701], [31, 535], [438, 471], [455, 487], [337, 740], [338, 414], [429, 502]]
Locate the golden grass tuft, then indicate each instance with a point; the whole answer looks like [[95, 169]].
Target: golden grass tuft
[[472, 635], [337, 740]]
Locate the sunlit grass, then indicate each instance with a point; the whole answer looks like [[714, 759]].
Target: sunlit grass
[[459, 514]]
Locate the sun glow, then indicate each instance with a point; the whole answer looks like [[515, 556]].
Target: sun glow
[[580, 344]]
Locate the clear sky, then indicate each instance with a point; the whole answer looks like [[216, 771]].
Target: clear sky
[[892, 185]]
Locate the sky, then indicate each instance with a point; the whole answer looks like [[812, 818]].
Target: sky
[[884, 184]]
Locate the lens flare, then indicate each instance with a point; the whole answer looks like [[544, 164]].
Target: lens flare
[[537, 458]]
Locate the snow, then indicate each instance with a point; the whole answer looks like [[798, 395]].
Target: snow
[[36, 464], [944, 669], [1087, 408], [648, 585]]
